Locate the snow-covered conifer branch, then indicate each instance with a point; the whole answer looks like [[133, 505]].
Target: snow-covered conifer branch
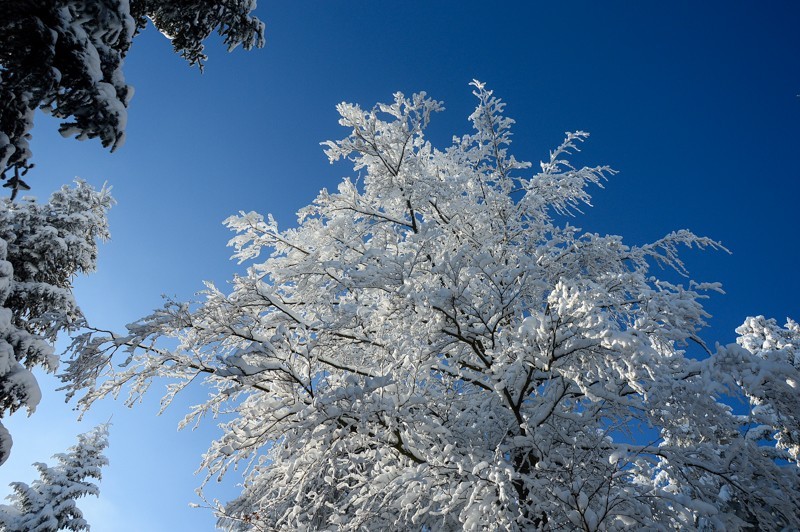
[[66, 56]]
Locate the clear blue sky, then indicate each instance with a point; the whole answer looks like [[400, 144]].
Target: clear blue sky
[[695, 103]]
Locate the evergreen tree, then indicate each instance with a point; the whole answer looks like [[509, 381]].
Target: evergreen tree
[[49, 504], [42, 247]]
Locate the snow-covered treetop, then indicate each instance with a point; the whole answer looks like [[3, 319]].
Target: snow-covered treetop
[[49, 504], [432, 347]]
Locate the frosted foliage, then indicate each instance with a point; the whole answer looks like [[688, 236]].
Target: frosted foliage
[[433, 348], [50, 503], [42, 247], [770, 381], [66, 56]]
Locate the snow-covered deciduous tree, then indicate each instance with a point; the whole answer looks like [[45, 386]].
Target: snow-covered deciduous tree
[[435, 347], [49, 504], [42, 247], [65, 57]]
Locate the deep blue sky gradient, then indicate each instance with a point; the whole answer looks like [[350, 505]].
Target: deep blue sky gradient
[[694, 103]]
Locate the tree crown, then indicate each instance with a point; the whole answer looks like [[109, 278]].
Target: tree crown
[[434, 347]]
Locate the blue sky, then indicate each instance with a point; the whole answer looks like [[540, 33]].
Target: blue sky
[[694, 103]]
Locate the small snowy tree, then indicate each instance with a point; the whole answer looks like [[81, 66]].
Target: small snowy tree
[[65, 57], [50, 503], [42, 248], [434, 348]]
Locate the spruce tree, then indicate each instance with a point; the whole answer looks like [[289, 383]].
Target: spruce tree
[[42, 247], [50, 503]]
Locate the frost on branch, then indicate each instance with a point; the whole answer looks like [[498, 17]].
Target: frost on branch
[[65, 57], [42, 247], [49, 504], [433, 348]]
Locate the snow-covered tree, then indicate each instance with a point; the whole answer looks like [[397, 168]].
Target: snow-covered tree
[[766, 370], [65, 57], [50, 503], [435, 347], [42, 247]]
